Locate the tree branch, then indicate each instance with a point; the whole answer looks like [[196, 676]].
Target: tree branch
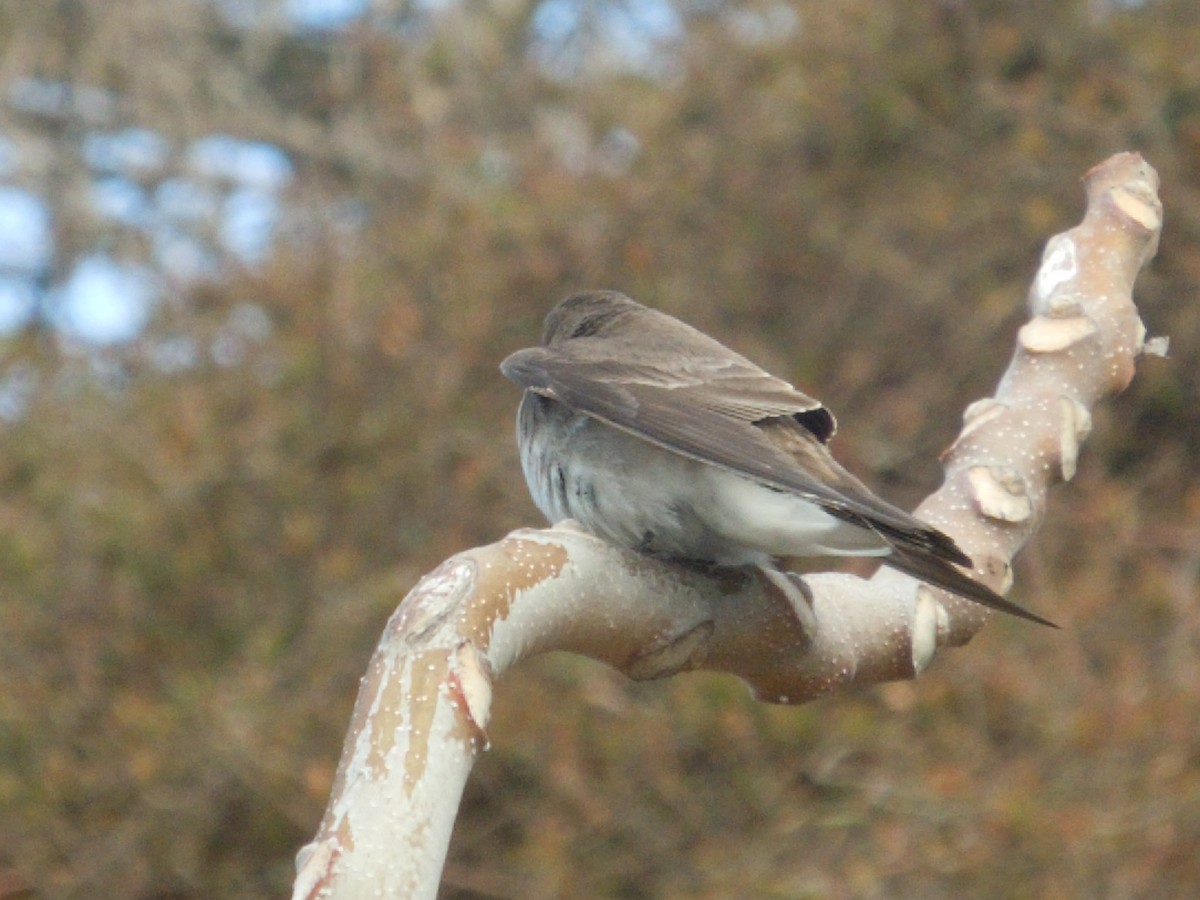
[[423, 707]]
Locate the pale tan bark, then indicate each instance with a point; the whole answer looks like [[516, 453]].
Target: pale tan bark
[[423, 707]]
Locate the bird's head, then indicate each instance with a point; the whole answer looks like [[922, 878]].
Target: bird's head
[[587, 314]]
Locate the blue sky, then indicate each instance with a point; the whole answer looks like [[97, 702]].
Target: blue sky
[[217, 201], [218, 198]]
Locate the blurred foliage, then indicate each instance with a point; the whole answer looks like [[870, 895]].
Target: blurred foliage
[[196, 562]]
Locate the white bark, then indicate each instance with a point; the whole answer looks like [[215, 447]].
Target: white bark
[[423, 706]]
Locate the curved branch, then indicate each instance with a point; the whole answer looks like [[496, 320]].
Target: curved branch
[[422, 711]]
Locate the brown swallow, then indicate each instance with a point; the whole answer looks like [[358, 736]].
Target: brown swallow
[[656, 437]]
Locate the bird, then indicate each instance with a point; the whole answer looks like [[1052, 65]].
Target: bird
[[656, 437]]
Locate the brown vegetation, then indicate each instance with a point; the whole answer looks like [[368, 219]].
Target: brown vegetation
[[195, 565]]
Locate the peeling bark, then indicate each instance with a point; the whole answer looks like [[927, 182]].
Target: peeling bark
[[422, 711]]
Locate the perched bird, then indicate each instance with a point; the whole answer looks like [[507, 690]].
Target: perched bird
[[656, 437]]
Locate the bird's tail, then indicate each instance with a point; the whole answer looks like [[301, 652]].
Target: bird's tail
[[925, 566]]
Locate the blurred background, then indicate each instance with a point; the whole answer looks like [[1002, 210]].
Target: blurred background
[[259, 261]]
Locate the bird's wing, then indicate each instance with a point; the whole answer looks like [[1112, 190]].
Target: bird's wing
[[734, 416]]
